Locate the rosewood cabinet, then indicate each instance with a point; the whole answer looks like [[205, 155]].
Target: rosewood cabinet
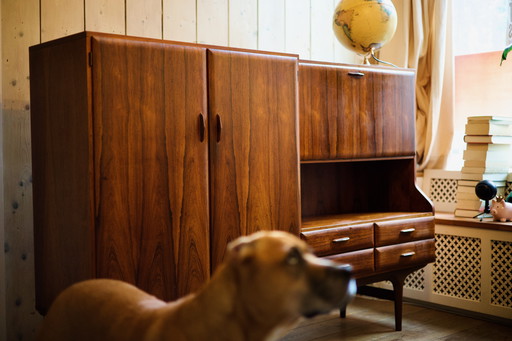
[[360, 204], [150, 156]]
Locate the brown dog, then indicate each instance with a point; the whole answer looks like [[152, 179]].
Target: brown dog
[[268, 281]]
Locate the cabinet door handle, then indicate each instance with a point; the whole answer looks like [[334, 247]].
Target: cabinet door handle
[[356, 74], [219, 127], [408, 254], [341, 240], [202, 127], [412, 229]]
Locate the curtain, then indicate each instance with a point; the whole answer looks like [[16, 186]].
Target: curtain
[[421, 43]]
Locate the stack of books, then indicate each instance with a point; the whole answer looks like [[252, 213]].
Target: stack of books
[[488, 156]]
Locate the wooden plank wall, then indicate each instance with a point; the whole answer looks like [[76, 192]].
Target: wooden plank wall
[[297, 26]]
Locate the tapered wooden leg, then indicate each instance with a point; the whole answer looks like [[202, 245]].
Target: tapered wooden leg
[[398, 292], [343, 312]]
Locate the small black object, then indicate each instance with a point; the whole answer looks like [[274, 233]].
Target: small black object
[[485, 190]]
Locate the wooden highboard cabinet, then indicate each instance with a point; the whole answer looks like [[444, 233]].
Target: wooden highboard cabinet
[[150, 156]]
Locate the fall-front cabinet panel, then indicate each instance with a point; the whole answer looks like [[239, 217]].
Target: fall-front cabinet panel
[[254, 151], [151, 164]]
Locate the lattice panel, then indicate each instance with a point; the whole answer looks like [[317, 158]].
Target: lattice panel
[[501, 273], [443, 190], [457, 270], [416, 280], [508, 189]]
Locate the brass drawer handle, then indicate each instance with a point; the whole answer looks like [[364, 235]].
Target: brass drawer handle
[[341, 240], [412, 229], [408, 254]]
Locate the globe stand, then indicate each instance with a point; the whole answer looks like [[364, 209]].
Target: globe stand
[[366, 58]]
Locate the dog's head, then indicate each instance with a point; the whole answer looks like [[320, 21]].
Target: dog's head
[[280, 275]]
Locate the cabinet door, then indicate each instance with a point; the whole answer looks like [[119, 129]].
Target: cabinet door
[[151, 161], [254, 148], [355, 112]]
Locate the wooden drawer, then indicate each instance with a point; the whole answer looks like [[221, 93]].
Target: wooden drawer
[[339, 239], [362, 261], [405, 255], [403, 231]]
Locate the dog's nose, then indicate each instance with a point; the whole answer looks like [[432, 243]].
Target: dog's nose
[[342, 270]]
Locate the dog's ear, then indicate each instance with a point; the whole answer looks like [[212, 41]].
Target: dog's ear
[[241, 249]]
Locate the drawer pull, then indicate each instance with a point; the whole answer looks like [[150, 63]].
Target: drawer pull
[[412, 229], [341, 240], [408, 254], [356, 74]]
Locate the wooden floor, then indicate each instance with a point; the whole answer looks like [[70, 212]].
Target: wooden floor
[[372, 319]]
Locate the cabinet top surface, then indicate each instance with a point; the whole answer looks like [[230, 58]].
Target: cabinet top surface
[[313, 223]]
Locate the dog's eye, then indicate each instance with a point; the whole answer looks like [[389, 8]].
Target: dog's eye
[[294, 257]]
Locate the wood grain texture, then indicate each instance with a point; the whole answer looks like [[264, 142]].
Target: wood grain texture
[[179, 20], [254, 166], [403, 231], [105, 16], [60, 18], [327, 241], [144, 18], [362, 261], [349, 112], [361, 187], [371, 319], [62, 168], [396, 256], [243, 24], [151, 167], [20, 29]]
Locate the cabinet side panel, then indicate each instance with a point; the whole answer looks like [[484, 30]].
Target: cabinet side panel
[[255, 174], [151, 165], [61, 161]]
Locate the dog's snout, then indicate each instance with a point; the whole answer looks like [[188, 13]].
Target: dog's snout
[[342, 270]]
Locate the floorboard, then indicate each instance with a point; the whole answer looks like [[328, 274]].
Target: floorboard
[[373, 319]]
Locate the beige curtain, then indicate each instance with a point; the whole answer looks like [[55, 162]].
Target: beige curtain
[[421, 43]]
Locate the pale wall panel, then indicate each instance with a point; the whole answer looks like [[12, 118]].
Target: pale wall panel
[[3, 335], [298, 27], [271, 25], [20, 29], [144, 18], [60, 18], [105, 16], [322, 36], [243, 23], [179, 20], [212, 22]]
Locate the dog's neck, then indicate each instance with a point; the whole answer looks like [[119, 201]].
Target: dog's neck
[[230, 313]]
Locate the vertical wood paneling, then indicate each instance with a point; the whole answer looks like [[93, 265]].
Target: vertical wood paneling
[[20, 29], [212, 22], [179, 20], [243, 23], [322, 36], [3, 327], [298, 27], [60, 18], [271, 25], [144, 18], [105, 16]]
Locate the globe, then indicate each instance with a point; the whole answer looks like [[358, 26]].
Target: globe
[[364, 25]]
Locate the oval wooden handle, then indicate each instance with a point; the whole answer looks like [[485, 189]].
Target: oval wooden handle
[[219, 127], [202, 127]]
